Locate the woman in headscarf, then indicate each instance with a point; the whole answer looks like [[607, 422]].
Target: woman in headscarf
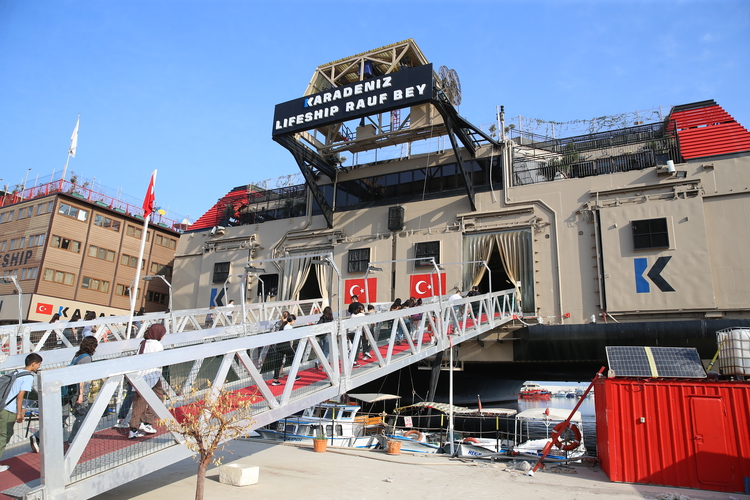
[[143, 415]]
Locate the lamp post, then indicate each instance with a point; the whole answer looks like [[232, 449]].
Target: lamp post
[[249, 269], [14, 345], [327, 260], [370, 267]]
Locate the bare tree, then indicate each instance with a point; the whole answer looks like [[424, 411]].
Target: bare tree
[[206, 424]]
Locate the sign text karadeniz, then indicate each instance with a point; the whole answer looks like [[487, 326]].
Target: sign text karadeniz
[[403, 88]]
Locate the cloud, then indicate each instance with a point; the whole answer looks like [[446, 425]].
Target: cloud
[[707, 37]]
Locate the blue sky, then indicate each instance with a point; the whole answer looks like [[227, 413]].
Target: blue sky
[[189, 87]]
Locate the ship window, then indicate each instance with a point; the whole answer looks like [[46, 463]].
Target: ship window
[[426, 250], [358, 260], [221, 272], [650, 233], [270, 285]]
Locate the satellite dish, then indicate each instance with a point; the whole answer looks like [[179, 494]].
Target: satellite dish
[[450, 84]]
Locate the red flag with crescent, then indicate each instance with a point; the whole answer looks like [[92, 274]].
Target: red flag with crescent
[[426, 285], [357, 287], [42, 308]]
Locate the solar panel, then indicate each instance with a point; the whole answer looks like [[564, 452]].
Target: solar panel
[[654, 362]]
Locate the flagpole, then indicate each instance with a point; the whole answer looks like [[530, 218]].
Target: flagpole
[[146, 217], [72, 149]]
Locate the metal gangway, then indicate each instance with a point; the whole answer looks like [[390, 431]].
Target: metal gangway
[[224, 353]]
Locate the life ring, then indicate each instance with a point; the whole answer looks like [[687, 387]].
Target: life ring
[[417, 435], [570, 444], [471, 440]]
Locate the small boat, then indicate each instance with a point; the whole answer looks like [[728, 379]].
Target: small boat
[[532, 390], [339, 423], [536, 422], [570, 395]]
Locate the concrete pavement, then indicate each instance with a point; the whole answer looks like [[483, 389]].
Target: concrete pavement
[[289, 471]]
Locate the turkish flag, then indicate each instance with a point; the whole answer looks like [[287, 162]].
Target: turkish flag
[[357, 287], [426, 285], [42, 308]]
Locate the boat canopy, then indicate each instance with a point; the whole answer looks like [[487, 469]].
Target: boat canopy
[[548, 414], [372, 397], [459, 410]]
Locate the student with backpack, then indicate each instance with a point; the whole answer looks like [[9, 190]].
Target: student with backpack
[[13, 388]]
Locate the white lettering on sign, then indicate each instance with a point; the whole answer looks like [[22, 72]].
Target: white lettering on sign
[[324, 108]]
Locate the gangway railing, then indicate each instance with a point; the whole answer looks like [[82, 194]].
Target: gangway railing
[[323, 356], [35, 337]]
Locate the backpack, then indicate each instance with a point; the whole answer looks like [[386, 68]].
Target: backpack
[[69, 393], [6, 385]]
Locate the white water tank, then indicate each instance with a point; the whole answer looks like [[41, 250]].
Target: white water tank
[[734, 351]]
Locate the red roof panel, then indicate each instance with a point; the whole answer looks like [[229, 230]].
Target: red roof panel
[[709, 131]]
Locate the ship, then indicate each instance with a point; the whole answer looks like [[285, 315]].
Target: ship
[[399, 188]]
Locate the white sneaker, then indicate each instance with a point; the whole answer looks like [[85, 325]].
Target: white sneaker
[[122, 424], [3, 468], [147, 428], [136, 434]]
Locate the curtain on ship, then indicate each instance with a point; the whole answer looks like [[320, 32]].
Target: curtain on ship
[[515, 251], [325, 279], [295, 275]]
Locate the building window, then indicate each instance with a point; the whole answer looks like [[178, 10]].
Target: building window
[[124, 291], [130, 261], [37, 240], [650, 233], [136, 232], [74, 212], [221, 272], [166, 242], [13, 272], [29, 273], [426, 250], [16, 244], [358, 260], [106, 223], [159, 298], [3, 245], [101, 253], [157, 268], [44, 208], [59, 277], [25, 212], [95, 284], [6, 216], [65, 244]]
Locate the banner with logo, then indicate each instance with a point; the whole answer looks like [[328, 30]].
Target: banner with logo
[[43, 307]]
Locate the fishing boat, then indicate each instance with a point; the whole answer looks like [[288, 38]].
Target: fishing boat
[[532, 390], [338, 423]]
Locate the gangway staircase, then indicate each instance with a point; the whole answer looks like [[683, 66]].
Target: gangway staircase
[[235, 356]]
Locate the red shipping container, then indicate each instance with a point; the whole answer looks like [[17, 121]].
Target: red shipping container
[[685, 433]]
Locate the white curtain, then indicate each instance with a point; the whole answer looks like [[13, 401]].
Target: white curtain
[[324, 282], [515, 248], [295, 275], [476, 248]]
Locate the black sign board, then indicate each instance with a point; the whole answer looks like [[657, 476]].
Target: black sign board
[[407, 87]]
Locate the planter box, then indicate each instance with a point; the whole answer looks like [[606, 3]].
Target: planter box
[[238, 474]]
